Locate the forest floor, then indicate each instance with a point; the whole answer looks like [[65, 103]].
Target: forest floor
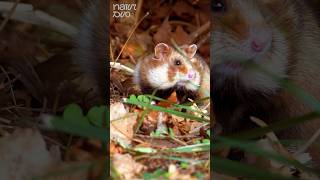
[[38, 79]]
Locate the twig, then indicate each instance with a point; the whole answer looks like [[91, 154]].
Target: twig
[[271, 136], [130, 35], [3, 120], [111, 53], [12, 81], [121, 67], [3, 24], [11, 88], [313, 138], [179, 141], [199, 31], [26, 13], [138, 11], [54, 142], [175, 22], [204, 39]]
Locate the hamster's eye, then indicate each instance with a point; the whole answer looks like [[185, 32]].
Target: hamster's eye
[[177, 62], [218, 6]]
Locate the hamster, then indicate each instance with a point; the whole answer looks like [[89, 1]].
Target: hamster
[[167, 70], [189, 80], [279, 36]]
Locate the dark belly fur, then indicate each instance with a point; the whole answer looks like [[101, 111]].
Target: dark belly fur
[[233, 104], [182, 93]]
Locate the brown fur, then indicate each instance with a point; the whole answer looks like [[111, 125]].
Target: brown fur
[[234, 103], [91, 45], [168, 56]]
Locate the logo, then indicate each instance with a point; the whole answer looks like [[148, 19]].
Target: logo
[[123, 10]]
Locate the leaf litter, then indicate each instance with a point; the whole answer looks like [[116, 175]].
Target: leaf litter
[[153, 134]]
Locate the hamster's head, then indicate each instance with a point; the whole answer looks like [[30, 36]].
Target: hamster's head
[[175, 69], [247, 32]]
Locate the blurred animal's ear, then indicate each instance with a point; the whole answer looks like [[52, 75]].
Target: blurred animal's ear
[[190, 50], [161, 51]]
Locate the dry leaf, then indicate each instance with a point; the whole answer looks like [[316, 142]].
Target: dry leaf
[[121, 124], [150, 122], [126, 166], [181, 37], [181, 8], [172, 99], [23, 155], [176, 175], [164, 33]]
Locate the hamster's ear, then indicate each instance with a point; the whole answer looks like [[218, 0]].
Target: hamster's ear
[[161, 51], [191, 50]]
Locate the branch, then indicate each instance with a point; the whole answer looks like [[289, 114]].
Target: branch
[[26, 13]]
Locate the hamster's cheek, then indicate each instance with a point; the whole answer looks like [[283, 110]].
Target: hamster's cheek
[[225, 48]]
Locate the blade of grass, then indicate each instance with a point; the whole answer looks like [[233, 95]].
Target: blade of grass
[[191, 148], [162, 109], [143, 115], [174, 158], [279, 125], [183, 106], [238, 169], [249, 147]]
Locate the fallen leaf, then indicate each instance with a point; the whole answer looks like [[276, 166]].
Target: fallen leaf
[[121, 124], [172, 100], [164, 33], [23, 155], [126, 166], [175, 174], [181, 8]]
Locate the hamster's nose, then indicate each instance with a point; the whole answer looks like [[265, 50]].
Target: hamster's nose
[[191, 75], [260, 39], [257, 46]]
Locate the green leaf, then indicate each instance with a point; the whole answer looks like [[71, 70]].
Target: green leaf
[[133, 100], [205, 146], [171, 133], [199, 175], [143, 98], [208, 133], [74, 122], [73, 127], [157, 174], [73, 111], [174, 158], [98, 116], [184, 165]]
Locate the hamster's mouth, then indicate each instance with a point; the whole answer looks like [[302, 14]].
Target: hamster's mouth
[[183, 83], [234, 65], [233, 68]]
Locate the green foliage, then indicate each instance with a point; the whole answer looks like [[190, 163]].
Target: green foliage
[[74, 121], [137, 101], [200, 147], [157, 174]]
